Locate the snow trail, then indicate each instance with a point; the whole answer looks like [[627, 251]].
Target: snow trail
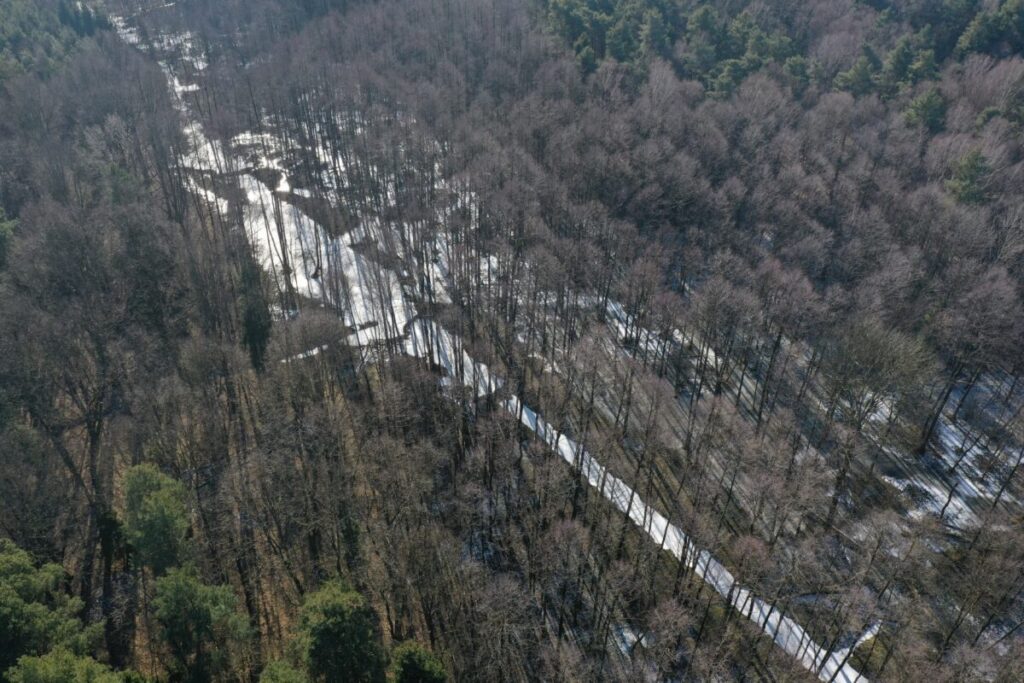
[[377, 308], [787, 634]]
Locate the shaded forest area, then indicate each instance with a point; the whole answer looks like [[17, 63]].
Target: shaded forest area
[[485, 340]]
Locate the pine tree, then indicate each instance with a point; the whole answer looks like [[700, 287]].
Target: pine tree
[[61, 666], [338, 636], [413, 663], [156, 520], [35, 615], [968, 184], [858, 79], [928, 110], [282, 672], [200, 624]]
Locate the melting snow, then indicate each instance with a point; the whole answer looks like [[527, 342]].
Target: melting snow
[[371, 299]]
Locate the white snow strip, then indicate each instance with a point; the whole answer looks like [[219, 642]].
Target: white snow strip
[[305, 354], [324, 269], [210, 197], [429, 340], [372, 302], [869, 633], [786, 633]]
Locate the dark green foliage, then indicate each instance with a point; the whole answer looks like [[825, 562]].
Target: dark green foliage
[[32, 38], [896, 67], [721, 45], [928, 110], [338, 636], [282, 672], [722, 53], [796, 69], [924, 67], [623, 35], [981, 35], [943, 20], [626, 30], [81, 18], [585, 55], [998, 31], [947, 20], [35, 615], [199, 623], [156, 519], [654, 35], [859, 79], [61, 666], [968, 184], [413, 663], [256, 320]]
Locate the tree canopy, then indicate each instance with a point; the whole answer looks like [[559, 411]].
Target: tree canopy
[[337, 635], [36, 615]]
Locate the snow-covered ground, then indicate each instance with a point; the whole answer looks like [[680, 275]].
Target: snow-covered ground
[[301, 257], [960, 475], [786, 633], [956, 476]]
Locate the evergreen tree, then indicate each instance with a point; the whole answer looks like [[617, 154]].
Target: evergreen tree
[[796, 69], [623, 38], [338, 636], [858, 79], [924, 67], [968, 184], [256, 319], [35, 615], [155, 519], [928, 110], [61, 666], [981, 35], [282, 672], [199, 623], [654, 39], [897, 65], [413, 663]]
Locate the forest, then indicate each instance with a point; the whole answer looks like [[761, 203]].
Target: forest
[[416, 341]]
